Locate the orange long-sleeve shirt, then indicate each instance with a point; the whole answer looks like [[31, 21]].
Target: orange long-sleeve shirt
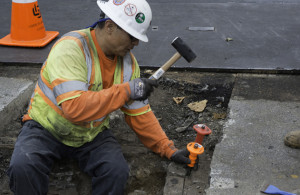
[[93, 105]]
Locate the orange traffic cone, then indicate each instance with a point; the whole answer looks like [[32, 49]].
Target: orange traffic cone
[[27, 27]]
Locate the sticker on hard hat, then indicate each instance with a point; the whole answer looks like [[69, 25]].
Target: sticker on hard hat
[[130, 9], [119, 2], [140, 18]]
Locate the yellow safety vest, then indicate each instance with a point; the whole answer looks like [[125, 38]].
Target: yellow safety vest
[[78, 70]]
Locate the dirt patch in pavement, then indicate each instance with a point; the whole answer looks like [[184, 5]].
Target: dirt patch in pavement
[[148, 170]]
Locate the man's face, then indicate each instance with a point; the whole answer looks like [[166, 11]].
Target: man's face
[[122, 42]]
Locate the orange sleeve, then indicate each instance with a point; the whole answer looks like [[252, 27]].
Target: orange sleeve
[[149, 131], [92, 105]]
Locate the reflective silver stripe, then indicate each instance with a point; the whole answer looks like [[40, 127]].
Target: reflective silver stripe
[[136, 105], [88, 63], [127, 63], [69, 86], [47, 91], [87, 53], [100, 119]]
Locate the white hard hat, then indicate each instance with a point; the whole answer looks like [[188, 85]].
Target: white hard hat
[[133, 16]]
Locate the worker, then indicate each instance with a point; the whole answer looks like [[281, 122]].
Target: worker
[[292, 139], [88, 74]]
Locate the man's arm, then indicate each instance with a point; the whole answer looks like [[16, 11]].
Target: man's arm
[[91, 105], [149, 131], [94, 105]]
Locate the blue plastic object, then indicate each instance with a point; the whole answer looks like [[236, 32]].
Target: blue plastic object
[[274, 190]]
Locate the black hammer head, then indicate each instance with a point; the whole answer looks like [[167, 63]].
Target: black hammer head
[[183, 49]]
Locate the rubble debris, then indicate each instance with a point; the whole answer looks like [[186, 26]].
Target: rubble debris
[[178, 100], [7, 143], [221, 99], [205, 88], [229, 39], [148, 71], [197, 106], [219, 116], [295, 176], [186, 124]]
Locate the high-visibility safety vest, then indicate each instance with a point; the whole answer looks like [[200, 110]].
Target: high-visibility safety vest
[[45, 102]]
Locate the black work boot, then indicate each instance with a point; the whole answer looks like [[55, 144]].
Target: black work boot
[[292, 139]]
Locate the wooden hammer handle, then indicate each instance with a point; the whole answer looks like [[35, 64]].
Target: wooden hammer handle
[[166, 66], [171, 61]]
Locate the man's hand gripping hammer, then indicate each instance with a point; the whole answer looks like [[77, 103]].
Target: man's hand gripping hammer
[[183, 50]]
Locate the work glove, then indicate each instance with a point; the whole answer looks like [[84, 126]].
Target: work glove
[[181, 156], [141, 88]]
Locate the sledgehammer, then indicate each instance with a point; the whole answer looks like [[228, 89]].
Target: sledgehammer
[[182, 50]]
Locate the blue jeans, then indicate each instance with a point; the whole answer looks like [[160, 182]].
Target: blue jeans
[[36, 150]]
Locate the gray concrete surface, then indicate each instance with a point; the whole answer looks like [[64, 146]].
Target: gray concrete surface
[[252, 153], [14, 95], [265, 34], [178, 183]]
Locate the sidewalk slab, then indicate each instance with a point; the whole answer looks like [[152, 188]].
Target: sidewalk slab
[[252, 153], [15, 93]]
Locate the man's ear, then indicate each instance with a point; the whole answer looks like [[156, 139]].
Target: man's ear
[[109, 26]]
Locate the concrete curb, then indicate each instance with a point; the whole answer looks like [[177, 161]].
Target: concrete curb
[[178, 183], [15, 94]]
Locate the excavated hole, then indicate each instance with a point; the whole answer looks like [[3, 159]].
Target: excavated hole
[[148, 170]]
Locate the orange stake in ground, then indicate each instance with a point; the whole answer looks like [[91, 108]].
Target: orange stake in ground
[[195, 149]]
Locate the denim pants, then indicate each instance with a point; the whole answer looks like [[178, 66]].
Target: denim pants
[[36, 150]]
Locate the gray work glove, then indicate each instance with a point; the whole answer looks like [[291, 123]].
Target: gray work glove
[[141, 88], [181, 156]]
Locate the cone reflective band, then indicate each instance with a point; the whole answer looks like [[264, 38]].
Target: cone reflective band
[[27, 27]]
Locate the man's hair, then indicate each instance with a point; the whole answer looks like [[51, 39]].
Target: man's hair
[[101, 24]]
